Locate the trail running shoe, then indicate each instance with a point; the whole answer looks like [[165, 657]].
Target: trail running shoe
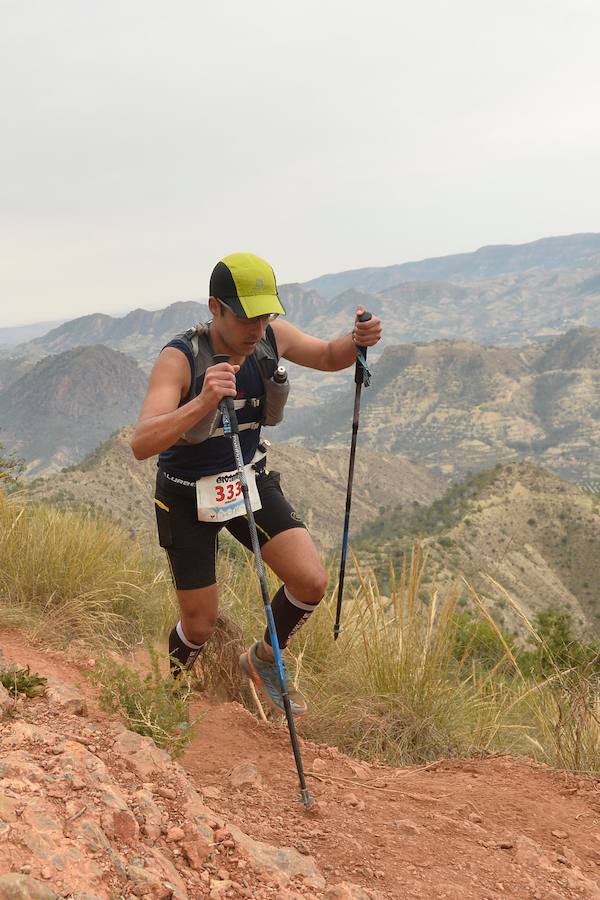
[[264, 676]]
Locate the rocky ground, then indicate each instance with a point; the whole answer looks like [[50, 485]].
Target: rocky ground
[[89, 809]]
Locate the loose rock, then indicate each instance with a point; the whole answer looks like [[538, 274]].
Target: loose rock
[[6, 701], [346, 890], [167, 792], [246, 773], [24, 887], [175, 834], [278, 860], [196, 853]]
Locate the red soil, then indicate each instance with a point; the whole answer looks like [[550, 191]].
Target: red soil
[[461, 829]]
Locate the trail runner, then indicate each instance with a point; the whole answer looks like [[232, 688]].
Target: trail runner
[[197, 489]]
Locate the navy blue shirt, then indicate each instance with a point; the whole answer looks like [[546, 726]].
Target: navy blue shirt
[[192, 461]]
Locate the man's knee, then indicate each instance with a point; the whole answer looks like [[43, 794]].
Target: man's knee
[[310, 586], [199, 611], [319, 584], [198, 627]]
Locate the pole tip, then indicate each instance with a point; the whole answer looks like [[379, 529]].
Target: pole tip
[[307, 800]]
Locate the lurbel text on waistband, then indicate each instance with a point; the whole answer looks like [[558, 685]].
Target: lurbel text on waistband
[[178, 480]]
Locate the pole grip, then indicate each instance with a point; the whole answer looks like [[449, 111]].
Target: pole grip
[[227, 402], [359, 371]]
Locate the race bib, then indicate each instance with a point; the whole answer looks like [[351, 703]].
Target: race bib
[[220, 497]]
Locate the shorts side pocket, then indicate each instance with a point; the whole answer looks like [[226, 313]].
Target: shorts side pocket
[[163, 522], [275, 479]]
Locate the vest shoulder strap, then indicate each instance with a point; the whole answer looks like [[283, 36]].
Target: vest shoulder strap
[[198, 340]]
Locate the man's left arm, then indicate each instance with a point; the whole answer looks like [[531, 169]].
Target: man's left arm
[[327, 356]]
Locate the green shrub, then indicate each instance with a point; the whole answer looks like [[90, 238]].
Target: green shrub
[[477, 640], [11, 468], [418, 521], [556, 647], [18, 680], [154, 705]]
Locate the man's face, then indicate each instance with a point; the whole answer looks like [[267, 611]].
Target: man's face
[[240, 335]]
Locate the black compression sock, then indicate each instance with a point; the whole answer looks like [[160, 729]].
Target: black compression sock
[[289, 614], [182, 653]]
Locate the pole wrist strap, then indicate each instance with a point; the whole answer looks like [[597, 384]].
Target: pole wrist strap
[[366, 380]]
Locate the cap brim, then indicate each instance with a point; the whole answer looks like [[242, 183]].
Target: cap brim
[[261, 305]]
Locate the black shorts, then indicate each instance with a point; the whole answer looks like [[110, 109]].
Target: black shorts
[[192, 545]]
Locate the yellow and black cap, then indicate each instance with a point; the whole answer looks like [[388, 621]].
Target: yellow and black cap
[[246, 284]]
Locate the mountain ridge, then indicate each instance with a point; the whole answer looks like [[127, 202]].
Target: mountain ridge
[[497, 294], [489, 260], [141, 333]]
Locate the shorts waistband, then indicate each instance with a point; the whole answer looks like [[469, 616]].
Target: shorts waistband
[[175, 485], [182, 486], [176, 480]]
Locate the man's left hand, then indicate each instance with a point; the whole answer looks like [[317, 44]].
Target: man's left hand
[[366, 334]]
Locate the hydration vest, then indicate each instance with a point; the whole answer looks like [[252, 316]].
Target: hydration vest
[[271, 404]]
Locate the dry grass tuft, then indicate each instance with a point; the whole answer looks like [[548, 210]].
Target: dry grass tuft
[[217, 668], [70, 577]]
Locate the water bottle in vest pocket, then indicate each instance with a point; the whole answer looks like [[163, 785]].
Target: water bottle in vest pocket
[[277, 389]]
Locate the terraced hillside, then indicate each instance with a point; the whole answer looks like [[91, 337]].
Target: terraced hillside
[[515, 531], [459, 407]]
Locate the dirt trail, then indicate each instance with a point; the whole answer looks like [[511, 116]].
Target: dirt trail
[[457, 829]]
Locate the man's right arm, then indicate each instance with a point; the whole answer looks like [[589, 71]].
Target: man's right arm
[[162, 421]]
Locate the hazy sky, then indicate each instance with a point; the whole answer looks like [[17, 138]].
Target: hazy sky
[[141, 141]]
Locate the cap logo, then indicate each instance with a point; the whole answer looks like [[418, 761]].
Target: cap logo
[[260, 283]]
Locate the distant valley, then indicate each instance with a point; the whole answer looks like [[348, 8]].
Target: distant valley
[[452, 406]]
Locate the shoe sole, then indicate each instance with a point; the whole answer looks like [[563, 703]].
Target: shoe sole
[[250, 671]]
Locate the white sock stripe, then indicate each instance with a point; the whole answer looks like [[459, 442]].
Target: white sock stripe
[[187, 643], [307, 607]]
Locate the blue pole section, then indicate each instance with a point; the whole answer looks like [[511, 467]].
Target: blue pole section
[[230, 427]]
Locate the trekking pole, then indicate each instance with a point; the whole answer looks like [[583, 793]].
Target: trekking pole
[[230, 427], [361, 376]]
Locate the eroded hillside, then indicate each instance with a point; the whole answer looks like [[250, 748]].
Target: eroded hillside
[[65, 405], [518, 531]]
